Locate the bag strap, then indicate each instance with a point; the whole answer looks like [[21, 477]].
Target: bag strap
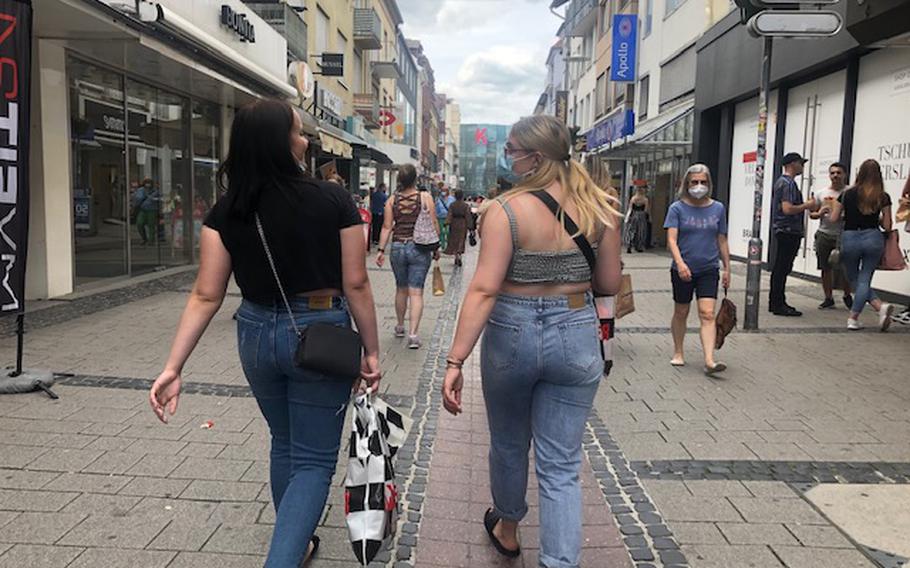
[[580, 240], [268, 254]]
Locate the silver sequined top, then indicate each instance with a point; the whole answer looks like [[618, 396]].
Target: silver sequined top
[[544, 267]]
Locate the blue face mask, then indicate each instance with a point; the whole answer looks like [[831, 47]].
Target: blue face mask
[[507, 163]]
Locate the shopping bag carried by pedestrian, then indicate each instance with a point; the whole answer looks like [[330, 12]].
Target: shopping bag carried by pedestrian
[[725, 322], [892, 257], [472, 238], [425, 235], [439, 285], [370, 493], [625, 300]]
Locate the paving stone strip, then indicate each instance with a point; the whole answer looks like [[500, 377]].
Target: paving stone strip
[[413, 459], [803, 474], [71, 309], [211, 389], [645, 534]]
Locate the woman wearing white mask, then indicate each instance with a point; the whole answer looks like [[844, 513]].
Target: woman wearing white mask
[[697, 237]]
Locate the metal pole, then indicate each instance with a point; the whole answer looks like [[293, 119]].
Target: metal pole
[[20, 343], [753, 274]]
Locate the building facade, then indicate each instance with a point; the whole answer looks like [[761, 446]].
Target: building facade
[[845, 98], [481, 159], [129, 130]]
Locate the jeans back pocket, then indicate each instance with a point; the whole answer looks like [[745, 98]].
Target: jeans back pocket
[[249, 336], [500, 344], [580, 344]]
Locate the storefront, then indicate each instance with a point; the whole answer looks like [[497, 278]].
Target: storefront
[[132, 112], [832, 100]]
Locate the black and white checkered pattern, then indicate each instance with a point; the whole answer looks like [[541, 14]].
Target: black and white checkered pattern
[[371, 496]]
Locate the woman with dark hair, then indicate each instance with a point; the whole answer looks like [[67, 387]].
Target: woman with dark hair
[[866, 208], [273, 212], [410, 263], [460, 221]]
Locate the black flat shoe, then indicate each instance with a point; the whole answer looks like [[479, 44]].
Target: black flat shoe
[[311, 553], [490, 520]]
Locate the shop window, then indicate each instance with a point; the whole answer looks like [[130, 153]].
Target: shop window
[[206, 161], [649, 18]]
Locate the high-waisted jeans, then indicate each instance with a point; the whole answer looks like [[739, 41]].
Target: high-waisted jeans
[[305, 412], [541, 366], [860, 253]]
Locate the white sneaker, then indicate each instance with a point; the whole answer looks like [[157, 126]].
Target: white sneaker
[[884, 316], [854, 325]]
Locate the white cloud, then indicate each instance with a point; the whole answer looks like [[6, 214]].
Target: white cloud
[[489, 55]]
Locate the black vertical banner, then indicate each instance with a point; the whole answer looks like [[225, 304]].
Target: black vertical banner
[[15, 77]]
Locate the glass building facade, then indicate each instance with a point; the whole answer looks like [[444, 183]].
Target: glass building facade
[[481, 160]]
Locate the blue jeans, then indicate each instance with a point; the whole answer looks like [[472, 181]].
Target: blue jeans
[[860, 253], [410, 265], [541, 366], [305, 412]]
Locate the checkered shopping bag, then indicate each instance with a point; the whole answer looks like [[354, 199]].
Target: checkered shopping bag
[[370, 495]]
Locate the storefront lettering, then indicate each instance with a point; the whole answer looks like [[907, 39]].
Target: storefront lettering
[[238, 23], [895, 161], [113, 123]]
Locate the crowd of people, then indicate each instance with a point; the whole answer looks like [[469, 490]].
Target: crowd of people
[[296, 248]]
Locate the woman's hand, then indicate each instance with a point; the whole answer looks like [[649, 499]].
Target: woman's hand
[[369, 372], [380, 259], [725, 279], [451, 390], [436, 254], [164, 394], [684, 272]]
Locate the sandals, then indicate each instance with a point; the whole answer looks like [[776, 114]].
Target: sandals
[[311, 553], [717, 368], [490, 520]]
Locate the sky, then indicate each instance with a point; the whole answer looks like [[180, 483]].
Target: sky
[[489, 55]]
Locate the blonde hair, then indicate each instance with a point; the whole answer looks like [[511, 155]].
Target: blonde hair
[[600, 175], [550, 138], [695, 169]]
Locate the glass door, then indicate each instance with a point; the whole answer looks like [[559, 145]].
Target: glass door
[[100, 208], [160, 189]]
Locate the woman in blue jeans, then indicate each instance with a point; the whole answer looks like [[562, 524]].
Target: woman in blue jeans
[[313, 232], [866, 209], [540, 357], [410, 263]]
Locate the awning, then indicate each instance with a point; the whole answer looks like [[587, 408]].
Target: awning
[[332, 144], [666, 131]]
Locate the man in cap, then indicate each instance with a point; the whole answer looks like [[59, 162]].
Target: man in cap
[[787, 219]]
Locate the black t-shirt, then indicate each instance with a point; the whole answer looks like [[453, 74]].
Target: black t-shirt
[[856, 220], [302, 226]]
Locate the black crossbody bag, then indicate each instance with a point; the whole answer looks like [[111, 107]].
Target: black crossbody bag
[[322, 347]]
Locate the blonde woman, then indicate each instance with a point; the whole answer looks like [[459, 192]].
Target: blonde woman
[[531, 297], [600, 175]]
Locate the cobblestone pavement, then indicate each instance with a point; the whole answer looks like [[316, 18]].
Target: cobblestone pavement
[[756, 468]]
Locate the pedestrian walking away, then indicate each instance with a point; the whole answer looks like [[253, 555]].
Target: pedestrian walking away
[[443, 203], [787, 219], [459, 221], [866, 211], [315, 240], [637, 220], [410, 262], [377, 209], [531, 298], [902, 215], [697, 238], [827, 237]]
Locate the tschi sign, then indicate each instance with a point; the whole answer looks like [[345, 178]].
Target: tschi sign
[[15, 63]]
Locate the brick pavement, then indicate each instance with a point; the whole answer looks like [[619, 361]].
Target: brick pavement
[[723, 468]]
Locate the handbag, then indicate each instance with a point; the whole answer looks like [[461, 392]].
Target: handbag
[[439, 285], [425, 236], [892, 257], [370, 494], [472, 238], [625, 300], [725, 321], [322, 347]]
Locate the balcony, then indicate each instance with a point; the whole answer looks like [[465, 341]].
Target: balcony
[[367, 106], [386, 70], [580, 17], [288, 23], [367, 29]]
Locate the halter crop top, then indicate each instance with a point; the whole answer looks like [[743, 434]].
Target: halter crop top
[[544, 267]]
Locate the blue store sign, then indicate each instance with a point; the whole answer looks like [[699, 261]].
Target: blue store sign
[[612, 128], [625, 48]]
